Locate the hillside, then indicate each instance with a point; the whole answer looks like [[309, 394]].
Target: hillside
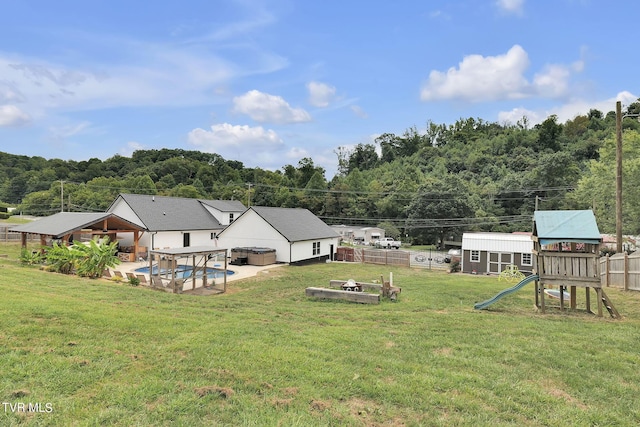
[[422, 186]]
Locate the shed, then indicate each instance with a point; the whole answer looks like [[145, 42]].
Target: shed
[[491, 253]]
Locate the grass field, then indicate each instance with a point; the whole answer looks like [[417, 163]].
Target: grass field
[[94, 352]]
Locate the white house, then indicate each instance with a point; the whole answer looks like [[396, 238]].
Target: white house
[[174, 222], [490, 253], [297, 235]]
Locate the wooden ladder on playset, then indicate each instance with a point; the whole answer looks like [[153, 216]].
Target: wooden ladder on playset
[[609, 305]]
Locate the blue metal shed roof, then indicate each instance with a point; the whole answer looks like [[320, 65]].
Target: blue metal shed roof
[[566, 226]]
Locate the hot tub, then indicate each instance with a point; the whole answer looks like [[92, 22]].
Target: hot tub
[[253, 256]]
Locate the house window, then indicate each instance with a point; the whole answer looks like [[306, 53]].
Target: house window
[[230, 218], [316, 248], [527, 259], [213, 236], [475, 256], [186, 240]]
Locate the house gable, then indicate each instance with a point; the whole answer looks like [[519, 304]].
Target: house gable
[[295, 224], [225, 211], [291, 232], [159, 213]]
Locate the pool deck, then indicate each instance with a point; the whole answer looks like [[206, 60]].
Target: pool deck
[[239, 271]]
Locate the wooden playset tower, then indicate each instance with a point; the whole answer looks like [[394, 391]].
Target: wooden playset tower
[[566, 247]]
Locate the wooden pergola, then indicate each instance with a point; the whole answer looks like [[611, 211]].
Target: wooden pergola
[[164, 267], [63, 225]]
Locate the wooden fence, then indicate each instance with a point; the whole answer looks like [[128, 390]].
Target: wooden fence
[[374, 256], [7, 236], [621, 271], [391, 257]]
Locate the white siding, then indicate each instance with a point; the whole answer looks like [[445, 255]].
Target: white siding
[[301, 251], [222, 217], [123, 210], [170, 239], [497, 242], [250, 230]]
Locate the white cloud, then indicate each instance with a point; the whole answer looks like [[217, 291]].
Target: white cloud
[[321, 94], [511, 6], [138, 73], [9, 93], [516, 115], [491, 78], [297, 153], [63, 132], [130, 148], [164, 80], [358, 111], [254, 146], [553, 82], [566, 111], [11, 116], [480, 78], [263, 107], [227, 137]]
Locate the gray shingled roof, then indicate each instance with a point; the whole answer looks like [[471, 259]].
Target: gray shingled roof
[[63, 223], [225, 205], [160, 213], [295, 224]]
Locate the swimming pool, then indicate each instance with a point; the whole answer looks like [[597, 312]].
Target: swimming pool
[[185, 271]]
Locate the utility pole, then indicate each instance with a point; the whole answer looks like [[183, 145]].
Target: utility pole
[[61, 196], [618, 176], [249, 195], [619, 118]]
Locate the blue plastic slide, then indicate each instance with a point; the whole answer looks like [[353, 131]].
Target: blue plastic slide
[[484, 304]]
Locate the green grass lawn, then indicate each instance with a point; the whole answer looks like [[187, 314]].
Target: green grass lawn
[[95, 352]]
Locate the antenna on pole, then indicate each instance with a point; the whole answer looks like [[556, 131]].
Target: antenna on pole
[[61, 196], [249, 195]]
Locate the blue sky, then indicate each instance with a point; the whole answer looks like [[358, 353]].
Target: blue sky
[[270, 82]]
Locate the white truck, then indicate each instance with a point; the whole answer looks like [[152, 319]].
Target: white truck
[[388, 243]]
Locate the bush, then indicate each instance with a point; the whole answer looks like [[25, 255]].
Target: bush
[[61, 259], [86, 260], [134, 281], [31, 257], [454, 267], [96, 257]]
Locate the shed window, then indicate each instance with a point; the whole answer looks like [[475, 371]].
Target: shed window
[[230, 218], [527, 259], [475, 256], [316, 248]]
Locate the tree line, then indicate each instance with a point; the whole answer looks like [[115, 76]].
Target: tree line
[[422, 186]]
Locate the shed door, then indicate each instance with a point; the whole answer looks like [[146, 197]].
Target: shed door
[[498, 261]]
